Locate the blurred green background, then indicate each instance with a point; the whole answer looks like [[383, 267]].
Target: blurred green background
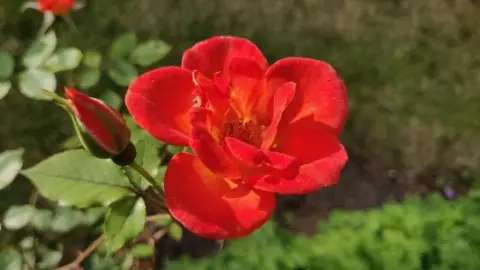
[[412, 69]]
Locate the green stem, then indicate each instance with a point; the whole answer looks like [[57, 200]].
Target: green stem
[[137, 167]]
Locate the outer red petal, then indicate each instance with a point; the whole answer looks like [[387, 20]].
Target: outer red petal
[[320, 152], [213, 55], [210, 205], [319, 92], [159, 101]]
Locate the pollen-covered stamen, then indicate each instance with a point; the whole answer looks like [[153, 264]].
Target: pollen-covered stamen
[[246, 132]]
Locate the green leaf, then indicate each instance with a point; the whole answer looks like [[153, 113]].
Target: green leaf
[[72, 143], [50, 259], [7, 65], [124, 222], [122, 72], [123, 46], [175, 231], [40, 50], [18, 217], [33, 81], [150, 52], [162, 219], [77, 178], [5, 87], [64, 59], [161, 174], [94, 214], [148, 158], [66, 219], [10, 165], [112, 98], [173, 149], [142, 251], [27, 243], [42, 220], [88, 77], [92, 59], [10, 260]]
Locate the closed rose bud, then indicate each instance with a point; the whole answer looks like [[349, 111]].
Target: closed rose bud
[[101, 129], [57, 7]]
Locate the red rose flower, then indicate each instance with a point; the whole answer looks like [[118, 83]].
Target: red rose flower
[[255, 130], [102, 130], [57, 7]]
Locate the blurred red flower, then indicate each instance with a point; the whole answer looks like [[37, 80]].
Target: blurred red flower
[[255, 130], [57, 7], [102, 130]]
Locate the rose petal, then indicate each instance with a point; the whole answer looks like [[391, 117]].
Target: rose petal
[[247, 154], [319, 92], [245, 79], [210, 205], [217, 100], [257, 163], [213, 55], [321, 154], [159, 101], [282, 99], [207, 148]]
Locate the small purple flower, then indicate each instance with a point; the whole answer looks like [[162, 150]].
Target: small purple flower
[[448, 192]]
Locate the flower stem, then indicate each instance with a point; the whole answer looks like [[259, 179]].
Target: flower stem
[[137, 167]]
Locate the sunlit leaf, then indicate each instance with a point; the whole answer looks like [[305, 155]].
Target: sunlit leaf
[[124, 221], [87, 78], [122, 72], [40, 50], [50, 259], [161, 174], [27, 243], [5, 87], [64, 59], [148, 158], [92, 59], [32, 82], [77, 178], [10, 165], [72, 143], [112, 98], [142, 250], [18, 217], [150, 52], [175, 231], [66, 219], [162, 219], [123, 46], [42, 219]]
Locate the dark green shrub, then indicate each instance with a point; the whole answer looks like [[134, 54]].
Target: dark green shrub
[[429, 234]]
